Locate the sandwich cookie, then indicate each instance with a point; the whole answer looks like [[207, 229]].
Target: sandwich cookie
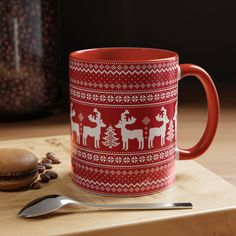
[[18, 168]]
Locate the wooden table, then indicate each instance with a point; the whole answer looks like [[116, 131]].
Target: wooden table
[[214, 200]]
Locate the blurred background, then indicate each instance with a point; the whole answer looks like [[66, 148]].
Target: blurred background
[[36, 37], [202, 32]]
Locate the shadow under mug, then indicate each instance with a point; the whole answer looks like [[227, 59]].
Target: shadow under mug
[[124, 119]]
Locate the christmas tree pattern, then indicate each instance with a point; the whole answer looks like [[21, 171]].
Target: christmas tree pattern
[[110, 140], [171, 131]]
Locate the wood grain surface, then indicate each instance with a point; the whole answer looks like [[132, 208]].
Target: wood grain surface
[[214, 201]]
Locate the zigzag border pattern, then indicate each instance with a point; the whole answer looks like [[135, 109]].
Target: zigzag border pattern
[[122, 171], [99, 183], [114, 106], [130, 72], [102, 66], [125, 189]]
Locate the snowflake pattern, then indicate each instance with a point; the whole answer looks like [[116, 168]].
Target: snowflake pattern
[[124, 98], [124, 159]]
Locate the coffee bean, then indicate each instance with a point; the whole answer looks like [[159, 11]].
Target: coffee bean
[[47, 165], [53, 158], [46, 160], [45, 178], [41, 168], [52, 174], [35, 185], [56, 161], [50, 155]]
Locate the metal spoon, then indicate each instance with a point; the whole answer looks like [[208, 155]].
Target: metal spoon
[[49, 203]]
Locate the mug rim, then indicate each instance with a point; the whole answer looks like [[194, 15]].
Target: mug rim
[[123, 55]]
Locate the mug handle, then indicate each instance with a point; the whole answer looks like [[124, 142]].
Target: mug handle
[[213, 111]]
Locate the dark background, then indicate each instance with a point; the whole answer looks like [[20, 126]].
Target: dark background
[[202, 32]]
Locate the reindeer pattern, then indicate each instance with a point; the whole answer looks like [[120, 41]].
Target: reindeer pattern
[[159, 131], [94, 132], [126, 132], [129, 134], [74, 126]]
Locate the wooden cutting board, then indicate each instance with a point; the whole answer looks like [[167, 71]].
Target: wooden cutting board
[[214, 201]]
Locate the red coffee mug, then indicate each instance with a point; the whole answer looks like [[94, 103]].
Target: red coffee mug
[[124, 118]]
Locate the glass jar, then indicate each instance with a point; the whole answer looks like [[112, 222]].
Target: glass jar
[[29, 61]]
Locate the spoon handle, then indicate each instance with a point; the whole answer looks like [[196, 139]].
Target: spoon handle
[[139, 206]]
